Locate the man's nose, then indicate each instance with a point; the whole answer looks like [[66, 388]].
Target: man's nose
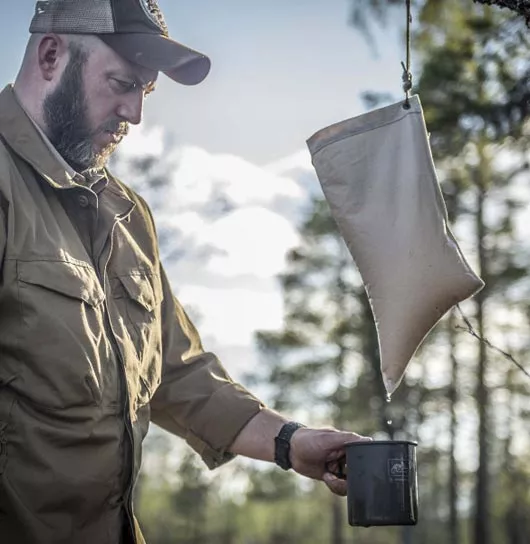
[[131, 108]]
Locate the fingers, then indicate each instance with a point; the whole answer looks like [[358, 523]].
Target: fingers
[[336, 443], [334, 476], [335, 485], [337, 467], [354, 437], [341, 438]]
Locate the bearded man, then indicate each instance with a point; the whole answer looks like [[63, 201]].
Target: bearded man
[[94, 345]]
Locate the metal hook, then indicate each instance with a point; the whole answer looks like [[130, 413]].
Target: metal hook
[[407, 85]]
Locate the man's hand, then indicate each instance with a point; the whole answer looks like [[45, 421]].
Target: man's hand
[[319, 453], [315, 453]]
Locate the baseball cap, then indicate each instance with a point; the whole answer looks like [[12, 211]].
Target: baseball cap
[[135, 29]]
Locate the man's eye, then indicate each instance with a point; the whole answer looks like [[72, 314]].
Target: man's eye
[[124, 86]]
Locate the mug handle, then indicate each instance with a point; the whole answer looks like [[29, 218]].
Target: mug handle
[[338, 468]]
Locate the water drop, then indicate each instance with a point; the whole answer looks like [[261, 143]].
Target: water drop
[[388, 399], [389, 422]]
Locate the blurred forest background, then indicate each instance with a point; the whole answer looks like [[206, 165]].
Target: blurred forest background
[[467, 405]]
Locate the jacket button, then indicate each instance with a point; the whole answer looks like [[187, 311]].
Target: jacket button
[[83, 201]]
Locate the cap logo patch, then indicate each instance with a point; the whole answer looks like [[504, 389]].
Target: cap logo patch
[[152, 10]]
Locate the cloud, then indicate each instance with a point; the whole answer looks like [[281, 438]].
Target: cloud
[[231, 316], [252, 240], [225, 227], [299, 167], [297, 161], [201, 175], [140, 142]]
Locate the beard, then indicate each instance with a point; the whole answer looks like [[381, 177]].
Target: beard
[[66, 116]]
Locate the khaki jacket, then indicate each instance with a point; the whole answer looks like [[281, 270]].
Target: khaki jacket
[[93, 346]]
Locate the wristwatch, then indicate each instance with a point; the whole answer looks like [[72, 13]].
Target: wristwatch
[[282, 444]]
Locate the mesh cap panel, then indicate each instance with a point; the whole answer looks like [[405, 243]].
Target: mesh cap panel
[[73, 17], [134, 29]]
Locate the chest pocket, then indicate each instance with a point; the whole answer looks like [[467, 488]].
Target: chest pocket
[[61, 334], [138, 297]]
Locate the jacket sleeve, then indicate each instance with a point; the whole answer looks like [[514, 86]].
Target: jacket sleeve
[[197, 399]]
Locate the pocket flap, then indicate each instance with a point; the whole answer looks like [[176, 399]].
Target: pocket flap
[[73, 280], [140, 288]]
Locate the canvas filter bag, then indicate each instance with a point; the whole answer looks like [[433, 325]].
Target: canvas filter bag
[[378, 176]]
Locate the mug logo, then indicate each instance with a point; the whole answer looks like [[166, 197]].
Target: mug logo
[[152, 10], [398, 471]]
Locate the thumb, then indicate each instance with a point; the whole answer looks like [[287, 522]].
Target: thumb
[[342, 438]]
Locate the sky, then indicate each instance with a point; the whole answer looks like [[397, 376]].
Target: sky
[[280, 72]]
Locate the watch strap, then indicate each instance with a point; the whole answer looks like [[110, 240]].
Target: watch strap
[[282, 444]]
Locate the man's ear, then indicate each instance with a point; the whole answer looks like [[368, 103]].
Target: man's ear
[[51, 53]]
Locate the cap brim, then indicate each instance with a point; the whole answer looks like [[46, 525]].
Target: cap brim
[[162, 54]]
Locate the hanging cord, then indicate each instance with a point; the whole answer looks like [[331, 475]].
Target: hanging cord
[[469, 328], [407, 74]]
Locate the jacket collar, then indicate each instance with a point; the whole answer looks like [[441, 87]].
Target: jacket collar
[[28, 141]]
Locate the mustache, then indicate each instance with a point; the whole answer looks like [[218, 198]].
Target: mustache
[[121, 128]]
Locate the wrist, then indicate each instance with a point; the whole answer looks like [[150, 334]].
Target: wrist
[[282, 444]]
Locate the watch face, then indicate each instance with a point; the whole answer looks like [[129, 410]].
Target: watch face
[[152, 10]]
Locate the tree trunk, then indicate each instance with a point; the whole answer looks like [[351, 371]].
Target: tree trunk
[[514, 529], [337, 523], [337, 517], [482, 530], [454, 536], [370, 351]]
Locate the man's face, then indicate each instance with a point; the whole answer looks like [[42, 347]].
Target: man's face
[[89, 111]]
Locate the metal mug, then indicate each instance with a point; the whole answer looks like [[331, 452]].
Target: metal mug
[[382, 483]]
